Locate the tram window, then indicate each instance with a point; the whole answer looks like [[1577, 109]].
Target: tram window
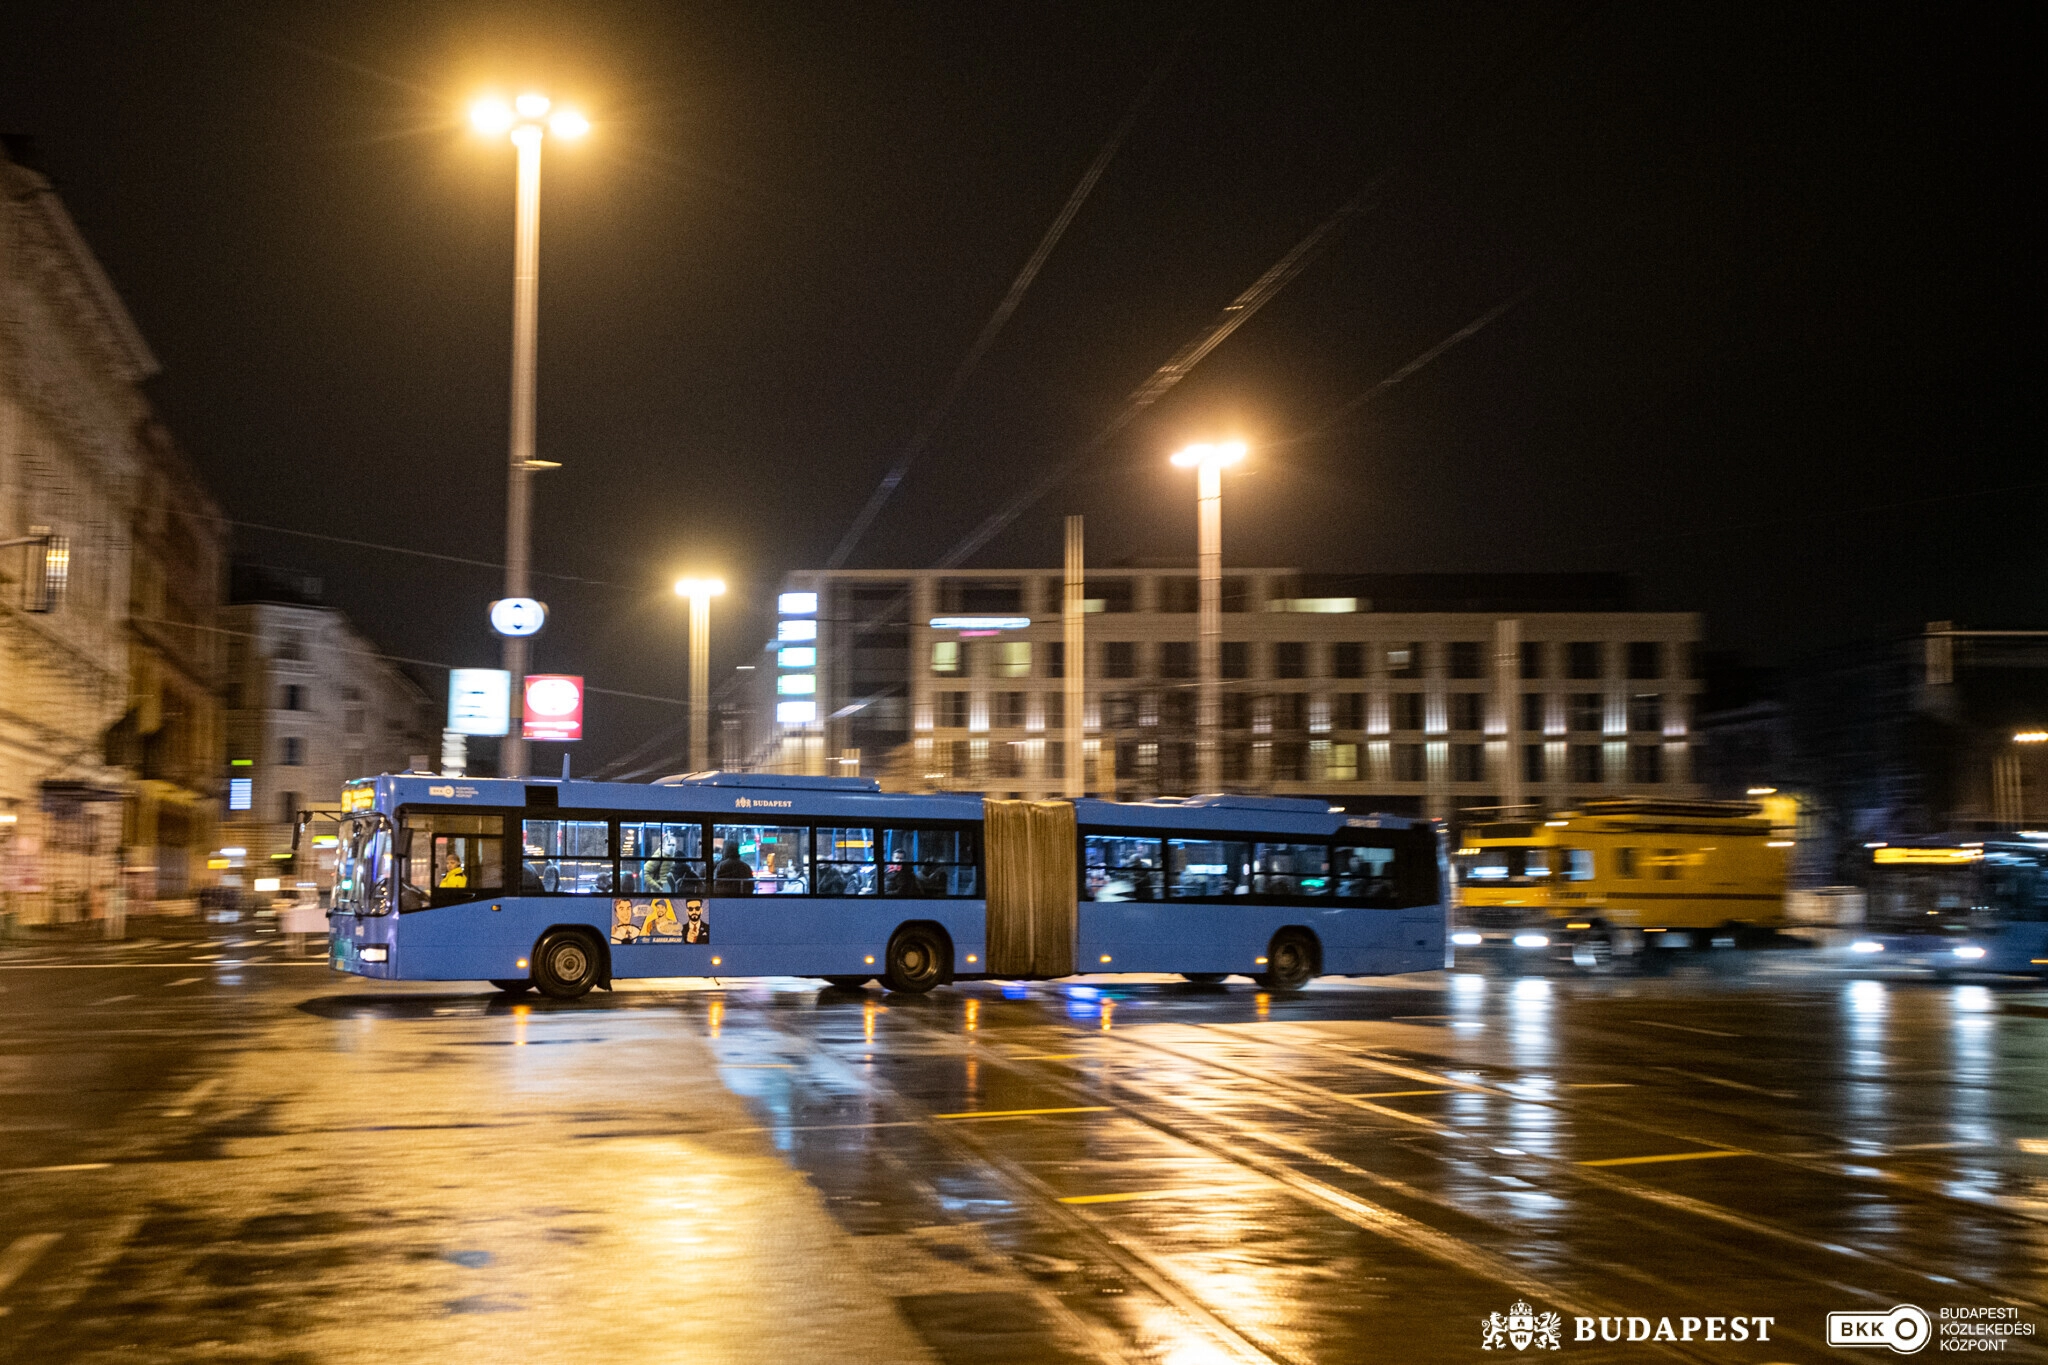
[[1116, 868], [1387, 870], [1624, 862], [846, 862], [1578, 865], [660, 858], [1208, 869], [931, 862], [569, 857], [1291, 870], [449, 858], [778, 856]]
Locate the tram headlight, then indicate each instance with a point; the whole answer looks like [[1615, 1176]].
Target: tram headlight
[[1968, 952], [1532, 940], [1866, 945], [1467, 939]]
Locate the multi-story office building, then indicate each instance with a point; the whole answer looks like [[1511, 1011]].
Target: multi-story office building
[[1409, 693], [311, 704]]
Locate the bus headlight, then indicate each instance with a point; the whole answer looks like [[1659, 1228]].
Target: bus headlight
[[1532, 940], [1969, 952], [1467, 939], [1866, 945]]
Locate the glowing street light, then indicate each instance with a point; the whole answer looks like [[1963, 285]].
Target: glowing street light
[[522, 121], [700, 591], [1209, 462]]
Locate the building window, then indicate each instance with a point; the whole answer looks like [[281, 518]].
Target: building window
[[1110, 594], [1532, 659], [1055, 710], [1645, 660], [287, 807], [1290, 660], [1013, 659], [1347, 660], [1646, 713], [1235, 760], [1407, 762], [1177, 659], [241, 792], [291, 645], [1584, 658], [1290, 711], [1588, 712], [1177, 708], [1468, 763], [1342, 765], [1120, 659], [352, 720], [1056, 659], [1009, 710], [1180, 595], [1237, 659], [292, 751], [1532, 712], [1347, 711], [1407, 710], [946, 656], [1532, 763], [952, 710], [294, 697], [1646, 763], [1119, 710], [1466, 711], [1288, 760], [1235, 711], [1404, 661], [1585, 763], [1465, 659]]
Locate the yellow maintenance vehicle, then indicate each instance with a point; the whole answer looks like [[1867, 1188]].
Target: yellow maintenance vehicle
[[1622, 874]]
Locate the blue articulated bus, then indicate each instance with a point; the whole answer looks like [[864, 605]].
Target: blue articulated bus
[[565, 886], [1957, 904]]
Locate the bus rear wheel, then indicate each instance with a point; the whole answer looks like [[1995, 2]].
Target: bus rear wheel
[[519, 987], [565, 965], [1290, 961], [916, 960]]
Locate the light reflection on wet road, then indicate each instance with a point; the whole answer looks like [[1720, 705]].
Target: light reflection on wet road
[[245, 1158]]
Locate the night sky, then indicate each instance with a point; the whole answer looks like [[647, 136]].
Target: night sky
[[1768, 350]]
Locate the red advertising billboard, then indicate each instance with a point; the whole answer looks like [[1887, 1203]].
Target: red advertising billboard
[[554, 707]]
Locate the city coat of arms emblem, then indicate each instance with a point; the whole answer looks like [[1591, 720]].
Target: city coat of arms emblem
[[1521, 1327]]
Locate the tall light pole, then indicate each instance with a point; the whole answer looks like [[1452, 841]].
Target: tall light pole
[[1209, 462], [526, 120], [700, 591]]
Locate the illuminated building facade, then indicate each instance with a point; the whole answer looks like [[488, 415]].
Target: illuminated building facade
[[1419, 694]]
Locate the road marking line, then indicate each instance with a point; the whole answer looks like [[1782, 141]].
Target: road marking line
[[113, 1000], [1732, 1085], [186, 982], [1686, 1028], [40, 1170], [1668, 1156], [1024, 1113], [1046, 1056], [1601, 1085], [1190, 1192], [1392, 1094], [22, 1254]]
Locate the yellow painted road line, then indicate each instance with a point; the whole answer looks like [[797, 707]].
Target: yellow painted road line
[[1668, 1156], [1130, 1196], [1024, 1113], [1392, 1094], [21, 1253], [39, 1170], [1047, 1056]]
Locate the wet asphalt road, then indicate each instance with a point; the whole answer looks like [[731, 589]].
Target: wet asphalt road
[[212, 1150]]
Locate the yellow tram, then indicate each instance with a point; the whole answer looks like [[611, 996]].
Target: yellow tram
[[1620, 872]]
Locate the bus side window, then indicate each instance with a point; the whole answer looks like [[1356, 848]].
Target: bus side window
[[572, 857], [1208, 869], [1119, 868], [1624, 862], [450, 857], [931, 863], [1579, 864]]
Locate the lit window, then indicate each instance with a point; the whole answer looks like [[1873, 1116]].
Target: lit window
[[797, 604], [797, 684], [945, 656], [796, 712], [241, 792], [796, 630], [802, 656]]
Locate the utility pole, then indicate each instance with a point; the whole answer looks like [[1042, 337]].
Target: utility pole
[[1075, 653]]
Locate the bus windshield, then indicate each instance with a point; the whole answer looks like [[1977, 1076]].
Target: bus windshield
[[362, 865]]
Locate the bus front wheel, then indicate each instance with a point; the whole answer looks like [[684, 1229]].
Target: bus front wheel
[[565, 965], [1290, 961], [916, 961]]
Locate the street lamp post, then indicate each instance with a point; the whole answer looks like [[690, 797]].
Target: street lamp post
[[525, 119], [700, 591], [1208, 462]]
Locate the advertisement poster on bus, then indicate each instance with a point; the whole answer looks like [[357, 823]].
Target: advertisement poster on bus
[[554, 707]]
